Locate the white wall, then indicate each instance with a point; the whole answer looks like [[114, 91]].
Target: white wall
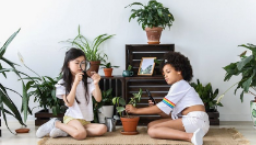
[[207, 31]]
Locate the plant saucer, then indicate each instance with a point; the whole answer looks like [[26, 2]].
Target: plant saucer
[[22, 130], [128, 133]]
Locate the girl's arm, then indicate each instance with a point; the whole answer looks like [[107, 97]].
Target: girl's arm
[[97, 92], [69, 100], [147, 110]]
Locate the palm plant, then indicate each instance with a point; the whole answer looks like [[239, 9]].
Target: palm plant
[[7, 106], [91, 50]]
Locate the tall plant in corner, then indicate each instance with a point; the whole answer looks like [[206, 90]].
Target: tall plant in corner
[[246, 68], [7, 106]]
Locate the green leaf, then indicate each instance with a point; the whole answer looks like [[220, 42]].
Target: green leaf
[[244, 61]]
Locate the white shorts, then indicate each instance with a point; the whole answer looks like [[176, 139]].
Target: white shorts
[[194, 120]]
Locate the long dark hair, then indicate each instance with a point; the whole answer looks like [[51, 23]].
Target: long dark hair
[[72, 54]]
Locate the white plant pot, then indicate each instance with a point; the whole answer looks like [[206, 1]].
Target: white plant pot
[[105, 111], [253, 112]]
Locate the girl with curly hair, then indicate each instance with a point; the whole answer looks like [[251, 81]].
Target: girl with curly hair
[[182, 109]]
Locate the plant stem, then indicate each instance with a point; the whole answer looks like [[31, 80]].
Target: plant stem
[[230, 88], [32, 70], [252, 93]]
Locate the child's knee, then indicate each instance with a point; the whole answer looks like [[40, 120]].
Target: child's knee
[[80, 134], [102, 129], [152, 132]]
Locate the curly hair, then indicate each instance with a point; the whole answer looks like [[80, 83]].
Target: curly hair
[[180, 63]]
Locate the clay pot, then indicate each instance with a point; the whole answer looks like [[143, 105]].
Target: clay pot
[[108, 72], [154, 34], [130, 124], [94, 66]]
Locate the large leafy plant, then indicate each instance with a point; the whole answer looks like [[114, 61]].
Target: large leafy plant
[[152, 15], [207, 95], [44, 91], [246, 68], [7, 105], [91, 50], [120, 102]]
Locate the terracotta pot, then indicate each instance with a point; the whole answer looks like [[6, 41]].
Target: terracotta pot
[[130, 124], [94, 66], [108, 72], [154, 34]]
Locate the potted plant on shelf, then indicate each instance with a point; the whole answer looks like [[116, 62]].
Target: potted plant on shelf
[[92, 52], [129, 122], [108, 69], [246, 68], [153, 17], [7, 105], [128, 72], [208, 97], [105, 108]]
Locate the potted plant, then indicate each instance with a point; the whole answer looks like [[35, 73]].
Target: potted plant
[[246, 68], [129, 122], [108, 69], [44, 91], [105, 108], [208, 97], [153, 17], [92, 52], [7, 105], [128, 72]]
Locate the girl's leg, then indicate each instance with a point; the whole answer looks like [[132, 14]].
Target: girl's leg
[[94, 129], [169, 129], [73, 128], [157, 122]]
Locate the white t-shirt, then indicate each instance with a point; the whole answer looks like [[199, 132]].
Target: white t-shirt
[[83, 110], [180, 96]]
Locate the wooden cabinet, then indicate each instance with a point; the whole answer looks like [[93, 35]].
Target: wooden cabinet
[[156, 84]]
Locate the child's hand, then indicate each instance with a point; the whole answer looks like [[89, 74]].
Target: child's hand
[[150, 103], [130, 109], [96, 78], [78, 78]]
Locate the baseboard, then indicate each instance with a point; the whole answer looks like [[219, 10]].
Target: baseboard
[[235, 117]]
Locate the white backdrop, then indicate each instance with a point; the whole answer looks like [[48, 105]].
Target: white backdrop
[[207, 31]]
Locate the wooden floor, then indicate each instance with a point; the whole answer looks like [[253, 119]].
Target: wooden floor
[[246, 128]]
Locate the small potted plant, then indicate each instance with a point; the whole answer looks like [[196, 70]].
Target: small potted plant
[[246, 68], [108, 69], [92, 53], [105, 108], [129, 122], [153, 17], [128, 72]]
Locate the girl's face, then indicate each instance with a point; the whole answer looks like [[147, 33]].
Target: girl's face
[[74, 65], [171, 75]]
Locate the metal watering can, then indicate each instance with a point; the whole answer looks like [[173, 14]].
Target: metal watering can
[[110, 123]]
